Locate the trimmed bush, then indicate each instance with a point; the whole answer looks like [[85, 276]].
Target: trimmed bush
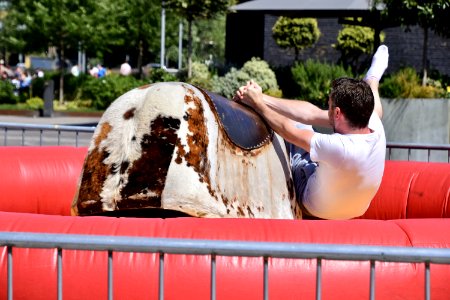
[[295, 33], [35, 103], [255, 69], [356, 46], [314, 80]]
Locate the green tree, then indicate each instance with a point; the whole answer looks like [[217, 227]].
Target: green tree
[[355, 43], [296, 33], [36, 25], [138, 21], [192, 10], [428, 14], [209, 39]]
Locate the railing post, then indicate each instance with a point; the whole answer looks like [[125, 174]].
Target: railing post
[[10, 273]]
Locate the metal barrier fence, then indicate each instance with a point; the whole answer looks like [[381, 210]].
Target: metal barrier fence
[[418, 152], [215, 248], [16, 134]]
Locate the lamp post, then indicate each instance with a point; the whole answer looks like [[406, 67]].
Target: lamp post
[[163, 34]]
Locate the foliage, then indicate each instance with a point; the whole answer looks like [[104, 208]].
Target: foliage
[[255, 69], [260, 71], [356, 44], [428, 14], [192, 10], [296, 33], [103, 91], [35, 103], [433, 14], [228, 84], [200, 76], [405, 83], [138, 23], [209, 40], [202, 9], [7, 93], [75, 105], [314, 80], [33, 26], [36, 25], [160, 75]]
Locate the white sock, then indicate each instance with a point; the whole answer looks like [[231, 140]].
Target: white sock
[[379, 63]]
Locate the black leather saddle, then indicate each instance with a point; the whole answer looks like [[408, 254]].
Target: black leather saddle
[[243, 126]]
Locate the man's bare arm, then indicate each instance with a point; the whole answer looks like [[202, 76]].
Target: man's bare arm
[[298, 110], [373, 83], [252, 95]]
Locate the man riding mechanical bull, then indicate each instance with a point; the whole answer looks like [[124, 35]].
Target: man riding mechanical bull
[[172, 149]]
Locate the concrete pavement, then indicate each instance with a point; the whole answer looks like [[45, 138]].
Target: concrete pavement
[[60, 120]]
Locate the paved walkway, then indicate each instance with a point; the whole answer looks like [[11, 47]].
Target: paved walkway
[[61, 120]]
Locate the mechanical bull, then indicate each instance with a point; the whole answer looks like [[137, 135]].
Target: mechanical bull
[[174, 149]]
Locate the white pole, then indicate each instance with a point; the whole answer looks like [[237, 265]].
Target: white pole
[[180, 45], [163, 33]]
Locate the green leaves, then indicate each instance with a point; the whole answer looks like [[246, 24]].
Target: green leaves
[[296, 33], [203, 9], [432, 14]]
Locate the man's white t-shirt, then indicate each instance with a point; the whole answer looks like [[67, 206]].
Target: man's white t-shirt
[[349, 172]]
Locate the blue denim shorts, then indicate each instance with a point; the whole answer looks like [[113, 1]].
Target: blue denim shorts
[[302, 167]]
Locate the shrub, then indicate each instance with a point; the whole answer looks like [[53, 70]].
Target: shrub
[[356, 45], [160, 75], [405, 83], [35, 103], [103, 91], [255, 69], [295, 33], [200, 76], [7, 93], [228, 84], [260, 71], [314, 80]]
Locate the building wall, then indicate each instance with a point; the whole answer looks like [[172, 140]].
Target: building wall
[[322, 50], [405, 47]]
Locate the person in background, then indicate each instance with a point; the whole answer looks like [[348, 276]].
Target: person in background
[[125, 69], [101, 71]]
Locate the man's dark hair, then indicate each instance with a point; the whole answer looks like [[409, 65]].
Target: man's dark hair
[[354, 98]]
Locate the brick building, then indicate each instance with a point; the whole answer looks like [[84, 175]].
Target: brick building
[[249, 34]]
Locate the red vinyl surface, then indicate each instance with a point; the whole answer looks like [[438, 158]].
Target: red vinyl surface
[[41, 180], [44, 180], [188, 277], [38, 185], [412, 190]]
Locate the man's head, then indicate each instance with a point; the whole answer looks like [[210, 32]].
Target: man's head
[[355, 101]]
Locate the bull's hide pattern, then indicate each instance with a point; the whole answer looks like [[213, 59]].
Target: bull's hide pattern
[[163, 146]]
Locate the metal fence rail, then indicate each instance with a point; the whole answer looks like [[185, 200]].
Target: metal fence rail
[[18, 134], [220, 248], [423, 151]]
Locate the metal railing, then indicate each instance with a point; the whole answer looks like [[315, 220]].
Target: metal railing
[[421, 152], [215, 248], [31, 134], [19, 134]]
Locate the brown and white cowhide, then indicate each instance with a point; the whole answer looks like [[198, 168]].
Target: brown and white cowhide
[[175, 147]]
